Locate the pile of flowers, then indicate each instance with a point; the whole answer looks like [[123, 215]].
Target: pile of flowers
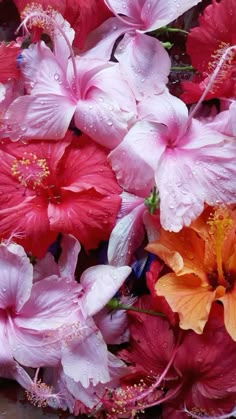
[[118, 206]]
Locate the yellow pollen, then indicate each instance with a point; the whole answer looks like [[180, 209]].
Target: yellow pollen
[[220, 224], [30, 170]]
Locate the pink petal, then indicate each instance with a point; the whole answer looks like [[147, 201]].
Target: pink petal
[[113, 326], [16, 279], [106, 109], [45, 267], [126, 237], [47, 307], [181, 196], [44, 116], [128, 8], [165, 109], [158, 13], [86, 359], [144, 63], [60, 46], [100, 42], [42, 71], [29, 349], [136, 158], [100, 283], [129, 203], [69, 256]]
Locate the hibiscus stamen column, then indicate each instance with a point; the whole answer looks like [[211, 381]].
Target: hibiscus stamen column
[[221, 63], [50, 21], [219, 222]]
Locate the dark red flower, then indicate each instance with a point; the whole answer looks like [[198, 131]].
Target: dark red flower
[[206, 365], [49, 187]]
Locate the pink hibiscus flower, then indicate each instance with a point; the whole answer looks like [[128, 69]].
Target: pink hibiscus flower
[[189, 162], [49, 322], [93, 91], [134, 17], [50, 187]]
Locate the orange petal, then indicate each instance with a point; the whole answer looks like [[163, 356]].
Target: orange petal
[[229, 302], [189, 296], [184, 249]]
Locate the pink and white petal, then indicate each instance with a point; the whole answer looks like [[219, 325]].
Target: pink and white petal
[[129, 8], [129, 203], [113, 325], [100, 117], [88, 396], [145, 64], [198, 136], [60, 42], [44, 117], [52, 300], [17, 373], [29, 349], [165, 109], [91, 396], [55, 378], [86, 359], [215, 170], [126, 237], [181, 193], [69, 257], [136, 158], [42, 72], [100, 42], [45, 267], [224, 122], [109, 79], [156, 14], [16, 279], [100, 283]]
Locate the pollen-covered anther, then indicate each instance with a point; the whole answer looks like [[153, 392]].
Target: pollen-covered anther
[[39, 394], [30, 170], [228, 62], [35, 15]]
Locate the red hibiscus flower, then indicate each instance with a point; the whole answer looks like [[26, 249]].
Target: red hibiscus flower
[[50, 187], [83, 15], [8, 68], [206, 364], [206, 45]]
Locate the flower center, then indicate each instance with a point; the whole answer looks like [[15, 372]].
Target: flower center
[[30, 170], [220, 224]]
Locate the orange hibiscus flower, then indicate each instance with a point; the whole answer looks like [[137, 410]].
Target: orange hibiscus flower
[[203, 260]]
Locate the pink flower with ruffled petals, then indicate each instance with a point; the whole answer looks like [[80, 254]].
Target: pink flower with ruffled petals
[[93, 91], [134, 17], [49, 323], [50, 187], [189, 162]]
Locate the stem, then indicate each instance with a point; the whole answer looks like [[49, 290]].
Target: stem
[[167, 29], [187, 67], [113, 304]]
